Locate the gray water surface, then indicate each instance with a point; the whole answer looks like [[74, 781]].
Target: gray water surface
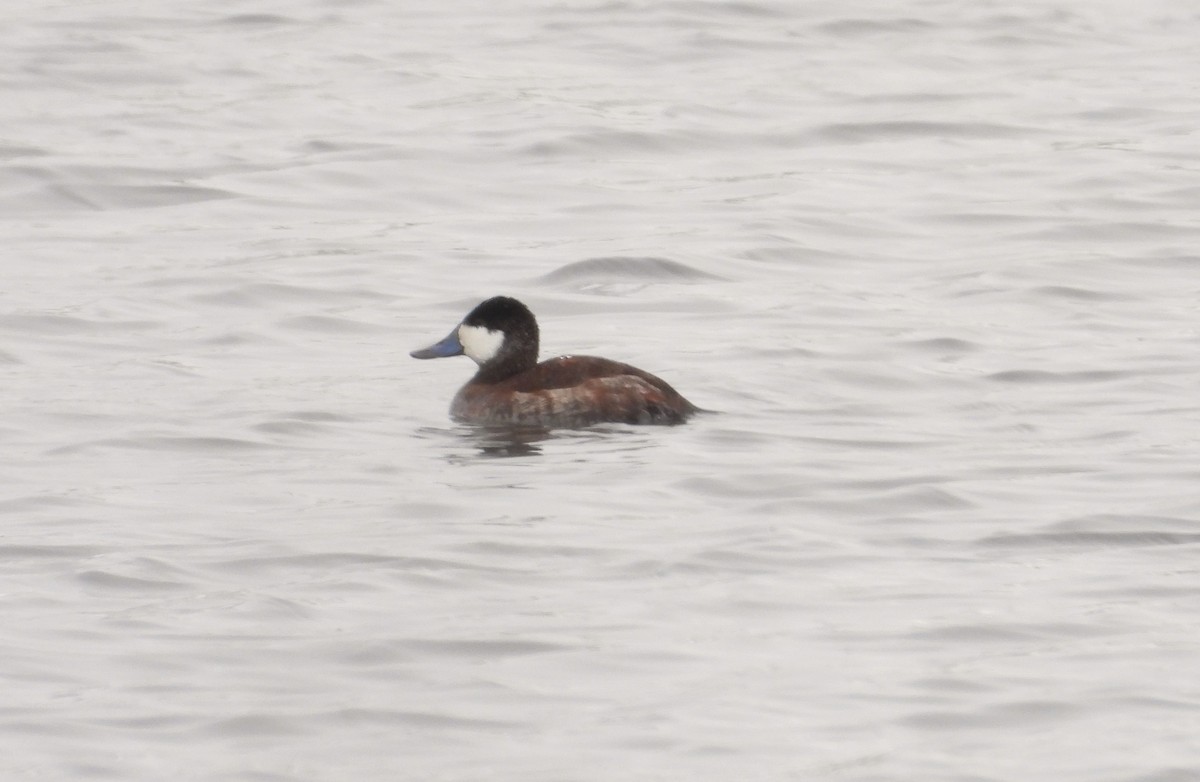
[[934, 263]]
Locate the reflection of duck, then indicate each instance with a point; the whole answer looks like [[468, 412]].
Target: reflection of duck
[[505, 441], [511, 387]]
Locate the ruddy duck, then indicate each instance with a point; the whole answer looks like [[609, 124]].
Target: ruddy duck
[[511, 387]]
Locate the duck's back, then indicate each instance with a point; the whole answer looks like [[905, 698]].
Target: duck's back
[[573, 391]]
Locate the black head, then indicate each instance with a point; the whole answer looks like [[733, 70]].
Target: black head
[[504, 313], [516, 351], [500, 334]]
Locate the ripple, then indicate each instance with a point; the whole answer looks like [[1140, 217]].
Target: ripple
[[483, 648], [114, 581], [1002, 632], [627, 268], [255, 20], [610, 141], [854, 28], [38, 502], [328, 324], [1024, 714], [920, 498], [1078, 294], [351, 561], [867, 132], [169, 443], [259, 294], [18, 552], [1092, 539], [940, 345], [291, 427], [255, 725], [424, 719], [1114, 231], [53, 325], [13, 151], [1042, 376], [110, 197]]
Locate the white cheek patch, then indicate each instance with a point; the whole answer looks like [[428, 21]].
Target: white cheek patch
[[480, 344]]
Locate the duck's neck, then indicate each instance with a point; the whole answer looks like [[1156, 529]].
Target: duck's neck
[[504, 366]]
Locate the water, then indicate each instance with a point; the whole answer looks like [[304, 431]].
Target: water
[[934, 263]]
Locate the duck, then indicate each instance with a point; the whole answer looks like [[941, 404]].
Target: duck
[[511, 387]]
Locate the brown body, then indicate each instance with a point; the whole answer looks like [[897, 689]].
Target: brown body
[[571, 391]]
